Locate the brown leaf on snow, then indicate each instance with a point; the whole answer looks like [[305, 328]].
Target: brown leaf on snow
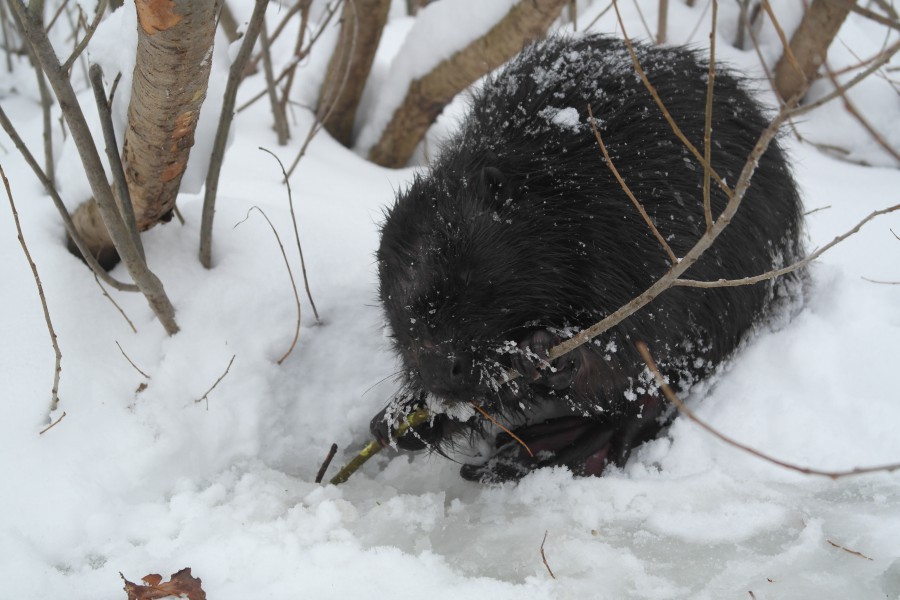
[[181, 584]]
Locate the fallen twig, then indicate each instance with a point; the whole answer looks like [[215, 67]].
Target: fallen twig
[[205, 396], [52, 425], [848, 550], [331, 452], [544, 557], [131, 362]]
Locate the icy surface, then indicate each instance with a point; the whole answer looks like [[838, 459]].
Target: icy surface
[[152, 481]]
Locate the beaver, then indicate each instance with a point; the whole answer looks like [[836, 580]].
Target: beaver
[[518, 236]]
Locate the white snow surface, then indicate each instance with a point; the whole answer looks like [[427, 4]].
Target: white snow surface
[[151, 481]]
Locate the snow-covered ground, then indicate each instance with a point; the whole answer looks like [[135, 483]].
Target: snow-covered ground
[[152, 481]]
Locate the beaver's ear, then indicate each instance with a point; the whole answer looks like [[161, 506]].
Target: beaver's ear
[[493, 183]]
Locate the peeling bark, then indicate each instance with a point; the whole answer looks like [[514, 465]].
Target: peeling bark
[[526, 21], [174, 55]]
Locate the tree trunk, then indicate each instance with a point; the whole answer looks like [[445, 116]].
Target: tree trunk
[[809, 45], [362, 22], [526, 21], [171, 73]]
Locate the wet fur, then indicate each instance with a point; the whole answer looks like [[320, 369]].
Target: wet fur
[[519, 229]]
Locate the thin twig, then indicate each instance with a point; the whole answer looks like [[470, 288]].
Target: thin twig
[[235, 74], [131, 362], [114, 303], [790, 268], [842, 89], [640, 208], [640, 13], [321, 474], [296, 234], [687, 412], [112, 90], [88, 34], [848, 550], [221, 377], [815, 210], [785, 44], [854, 112], [54, 392], [599, 16], [44, 92], [544, 557], [487, 416], [671, 121], [705, 241], [53, 424], [893, 23], [55, 16], [295, 61], [298, 49], [290, 273], [880, 281], [707, 128], [278, 114], [122, 195]]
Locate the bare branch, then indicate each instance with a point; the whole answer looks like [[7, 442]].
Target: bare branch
[[131, 362], [837, 92], [205, 396], [671, 121], [687, 412], [785, 44], [544, 557], [891, 22], [278, 113], [290, 274], [505, 430], [640, 207], [54, 392], [88, 34], [296, 234], [235, 74], [707, 128], [53, 424], [789, 269], [114, 303], [705, 241], [122, 195], [854, 112], [849, 551]]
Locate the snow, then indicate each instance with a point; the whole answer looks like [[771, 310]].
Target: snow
[[153, 481]]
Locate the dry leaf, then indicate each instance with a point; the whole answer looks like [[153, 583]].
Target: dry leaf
[[181, 584]]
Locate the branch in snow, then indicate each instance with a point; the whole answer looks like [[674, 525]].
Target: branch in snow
[[687, 412]]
